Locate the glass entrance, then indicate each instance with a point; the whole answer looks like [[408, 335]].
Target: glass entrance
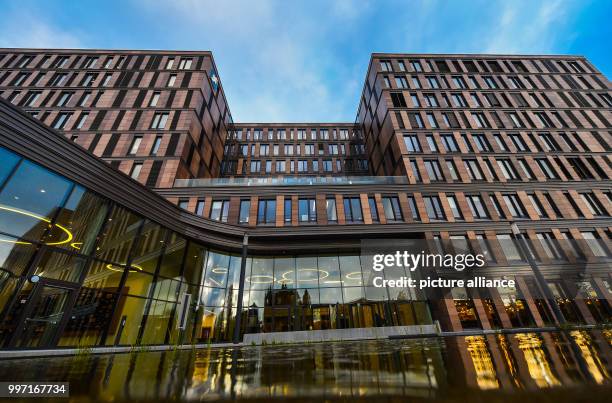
[[43, 317]]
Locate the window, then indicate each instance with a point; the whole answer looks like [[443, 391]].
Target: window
[[268, 166], [20, 78], [159, 121], [169, 63], [473, 170], [525, 168], [61, 120], [514, 206], [352, 209], [89, 80], [264, 150], [537, 206], [413, 209], [452, 169], [459, 82], [64, 98], [330, 208], [508, 247], [59, 62], [315, 165], [482, 144], [302, 166], [398, 101], [287, 210], [392, 209], [108, 63], [434, 208], [497, 207], [431, 142], [490, 82], [549, 143], [546, 168], [500, 142], [449, 142], [85, 99], [385, 65], [82, 120], [459, 100], [136, 170], [476, 100], [171, 80], [431, 101], [402, 66], [185, 64], [432, 120], [327, 165], [154, 99], [480, 119], [107, 79], [416, 65], [516, 122], [433, 170], [412, 143], [307, 211], [550, 245], [219, 211], [373, 209], [200, 208], [452, 202], [415, 171], [594, 243], [156, 144], [433, 82], [184, 204], [59, 79], [580, 168], [266, 212], [593, 204], [518, 142], [507, 169], [401, 82], [31, 98], [255, 166], [280, 166], [415, 82], [477, 207], [135, 144]]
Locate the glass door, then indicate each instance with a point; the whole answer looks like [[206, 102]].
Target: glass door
[[43, 317]]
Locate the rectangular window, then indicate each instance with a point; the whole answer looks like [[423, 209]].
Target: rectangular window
[[287, 210], [266, 212], [171, 80], [136, 170], [452, 202], [434, 208], [200, 208], [413, 209], [156, 144], [61, 120], [505, 165], [255, 166], [515, 206], [330, 208], [392, 210], [185, 64], [280, 166], [482, 144], [473, 170], [219, 211], [154, 99], [352, 209], [477, 207], [537, 206], [450, 165], [373, 209], [169, 63], [159, 121], [135, 144], [307, 211], [433, 170], [412, 143], [449, 143], [548, 171], [82, 120], [594, 243], [398, 100], [593, 204], [415, 171]]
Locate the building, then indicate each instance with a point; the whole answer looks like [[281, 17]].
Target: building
[[444, 149]]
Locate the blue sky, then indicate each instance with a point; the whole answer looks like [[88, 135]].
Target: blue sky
[[289, 61]]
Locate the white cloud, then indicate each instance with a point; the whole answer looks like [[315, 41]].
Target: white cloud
[[27, 30]]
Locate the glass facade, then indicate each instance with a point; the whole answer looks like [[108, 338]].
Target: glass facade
[[80, 270]]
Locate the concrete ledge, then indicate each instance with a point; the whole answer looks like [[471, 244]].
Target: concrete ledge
[[315, 336]]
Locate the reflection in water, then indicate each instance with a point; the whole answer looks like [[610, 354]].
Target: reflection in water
[[421, 369]]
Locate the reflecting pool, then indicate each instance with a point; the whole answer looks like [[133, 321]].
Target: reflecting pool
[[516, 367]]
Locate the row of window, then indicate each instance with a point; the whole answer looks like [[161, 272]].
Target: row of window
[[508, 100], [484, 142], [88, 79], [159, 121], [299, 134], [435, 208], [294, 149], [435, 82], [442, 170], [65, 97], [300, 166], [501, 119], [93, 62], [483, 66]]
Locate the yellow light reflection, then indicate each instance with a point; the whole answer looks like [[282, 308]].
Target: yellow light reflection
[[134, 268], [69, 235]]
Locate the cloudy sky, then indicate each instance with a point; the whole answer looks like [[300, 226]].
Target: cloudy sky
[[290, 61]]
